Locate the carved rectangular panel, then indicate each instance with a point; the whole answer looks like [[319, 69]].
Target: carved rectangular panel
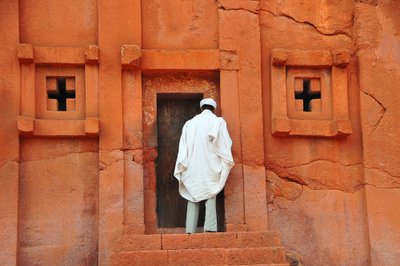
[[59, 91], [309, 93]]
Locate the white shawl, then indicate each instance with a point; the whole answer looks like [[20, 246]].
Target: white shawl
[[204, 157]]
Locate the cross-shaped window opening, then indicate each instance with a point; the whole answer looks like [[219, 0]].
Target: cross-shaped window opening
[[307, 95], [61, 94]]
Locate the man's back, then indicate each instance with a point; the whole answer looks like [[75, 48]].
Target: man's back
[[203, 164], [203, 138]]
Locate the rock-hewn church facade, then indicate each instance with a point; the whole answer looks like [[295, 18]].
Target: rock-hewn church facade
[[94, 94]]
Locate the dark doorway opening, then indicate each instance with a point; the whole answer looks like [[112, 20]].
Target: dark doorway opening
[[173, 110]]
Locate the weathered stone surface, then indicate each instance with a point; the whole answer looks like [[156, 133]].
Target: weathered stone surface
[[276, 28], [330, 18], [92, 54], [71, 200], [73, 23], [137, 242], [92, 126], [341, 57], [131, 55], [258, 239], [9, 212], [125, 17], [322, 227], [25, 53], [378, 27], [236, 38], [159, 257], [9, 141], [175, 241], [58, 202], [255, 255], [26, 124], [297, 164], [215, 256], [322, 174], [383, 222], [219, 240], [279, 187], [174, 25]]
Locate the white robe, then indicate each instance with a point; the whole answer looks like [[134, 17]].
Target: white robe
[[204, 157]]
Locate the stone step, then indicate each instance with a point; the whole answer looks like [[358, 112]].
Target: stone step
[[197, 241], [269, 264], [202, 256]]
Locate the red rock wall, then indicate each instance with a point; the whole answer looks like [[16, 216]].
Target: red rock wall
[[49, 187], [315, 196], [377, 28], [58, 23], [333, 200], [196, 26], [58, 192], [9, 143]]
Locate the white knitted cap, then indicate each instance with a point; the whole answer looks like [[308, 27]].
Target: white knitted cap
[[208, 101]]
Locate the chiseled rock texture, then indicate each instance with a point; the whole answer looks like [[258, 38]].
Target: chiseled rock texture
[[377, 37], [319, 190], [88, 199]]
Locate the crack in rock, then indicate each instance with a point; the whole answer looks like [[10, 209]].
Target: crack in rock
[[318, 160], [382, 106], [59, 156], [238, 9], [383, 187], [281, 187], [308, 23], [6, 163], [322, 180], [225, 8], [103, 166], [368, 2], [382, 170]]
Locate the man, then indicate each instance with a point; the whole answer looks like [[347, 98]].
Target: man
[[203, 164]]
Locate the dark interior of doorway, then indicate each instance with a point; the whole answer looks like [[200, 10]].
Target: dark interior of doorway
[[173, 110]]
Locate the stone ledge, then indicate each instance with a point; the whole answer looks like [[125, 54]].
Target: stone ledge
[[175, 241], [214, 256], [92, 126], [137, 243], [314, 58], [92, 54], [213, 240], [258, 239], [131, 56], [25, 53], [25, 124], [282, 126], [154, 257], [181, 60], [59, 55], [255, 255], [49, 127]]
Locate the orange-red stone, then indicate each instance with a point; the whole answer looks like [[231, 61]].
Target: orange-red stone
[[79, 186]]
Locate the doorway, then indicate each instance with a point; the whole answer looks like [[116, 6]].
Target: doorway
[[173, 110]]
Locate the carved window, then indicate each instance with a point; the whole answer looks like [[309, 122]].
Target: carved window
[[60, 93], [309, 93], [59, 90]]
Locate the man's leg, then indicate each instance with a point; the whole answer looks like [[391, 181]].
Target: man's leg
[[210, 223], [192, 217]]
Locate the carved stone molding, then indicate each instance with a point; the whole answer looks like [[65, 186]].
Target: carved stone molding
[[59, 90], [309, 93]]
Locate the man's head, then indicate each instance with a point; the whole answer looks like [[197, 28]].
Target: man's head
[[208, 104]]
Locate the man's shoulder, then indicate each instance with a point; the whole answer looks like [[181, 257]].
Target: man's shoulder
[[221, 120], [191, 121]]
